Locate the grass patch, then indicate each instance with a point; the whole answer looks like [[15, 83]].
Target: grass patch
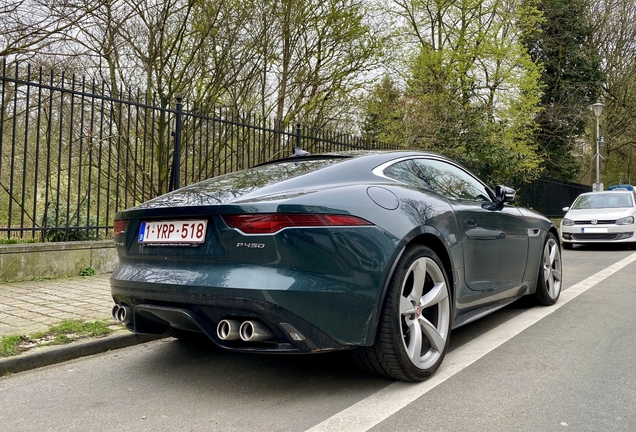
[[10, 345], [60, 339], [45, 278], [66, 331], [80, 328], [17, 241]]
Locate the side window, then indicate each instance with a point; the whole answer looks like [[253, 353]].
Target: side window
[[406, 172], [451, 181]]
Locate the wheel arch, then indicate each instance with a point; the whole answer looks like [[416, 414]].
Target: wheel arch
[[553, 229], [436, 245]]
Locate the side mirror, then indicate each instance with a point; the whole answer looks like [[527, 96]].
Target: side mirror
[[504, 194], [565, 209]]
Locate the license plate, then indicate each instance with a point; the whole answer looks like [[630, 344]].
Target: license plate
[[594, 230], [173, 232]]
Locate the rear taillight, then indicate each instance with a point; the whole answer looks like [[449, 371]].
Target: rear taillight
[[273, 222], [119, 226]]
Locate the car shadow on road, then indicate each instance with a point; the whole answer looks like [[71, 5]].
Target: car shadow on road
[[473, 330], [200, 364]]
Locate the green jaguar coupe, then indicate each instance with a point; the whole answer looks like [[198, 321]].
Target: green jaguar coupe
[[380, 253]]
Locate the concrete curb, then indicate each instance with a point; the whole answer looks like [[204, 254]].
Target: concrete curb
[[45, 356]]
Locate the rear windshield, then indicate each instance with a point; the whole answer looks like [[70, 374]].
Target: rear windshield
[[229, 187], [606, 200], [261, 175]]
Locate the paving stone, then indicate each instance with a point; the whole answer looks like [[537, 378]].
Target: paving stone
[[43, 310], [73, 310], [42, 319], [36, 300], [26, 307], [18, 291], [29, 330], [16, 314], [78, 303], [4, 317], [24, 298], [20, 325], [6, 329], [65, 316]]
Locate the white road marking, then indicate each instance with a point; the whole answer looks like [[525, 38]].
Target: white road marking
[[379, 406]]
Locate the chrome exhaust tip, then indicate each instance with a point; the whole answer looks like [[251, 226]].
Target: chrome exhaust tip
[[254, 331], [228, 329], [124, 314], [115, 312]]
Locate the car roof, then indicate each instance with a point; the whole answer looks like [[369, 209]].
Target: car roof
[[352, 154], [614, 191]]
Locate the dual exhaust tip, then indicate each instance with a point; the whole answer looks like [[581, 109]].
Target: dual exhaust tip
[[122, 313], [247, 331]]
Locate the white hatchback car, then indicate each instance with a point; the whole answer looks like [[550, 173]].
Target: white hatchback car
[[599, 217]]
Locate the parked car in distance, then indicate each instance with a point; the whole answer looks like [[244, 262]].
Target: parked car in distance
[[599, 217], [621, 187], [379, 253]]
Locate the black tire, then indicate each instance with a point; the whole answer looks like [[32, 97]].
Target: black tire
[[550, 273], [568, 246], [412, 320]]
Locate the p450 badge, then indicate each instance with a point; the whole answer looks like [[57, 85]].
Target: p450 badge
[[251, 245]]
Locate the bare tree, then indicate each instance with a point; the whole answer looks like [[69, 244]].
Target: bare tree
[[615, 37], [320, 53], [31, 26]]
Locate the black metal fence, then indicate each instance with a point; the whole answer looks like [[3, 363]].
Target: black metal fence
[[74, 151], [548, 195]]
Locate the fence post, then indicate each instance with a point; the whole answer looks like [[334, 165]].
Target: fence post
[[176, 157], [297, 135]]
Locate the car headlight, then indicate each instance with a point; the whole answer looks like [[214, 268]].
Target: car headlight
[[570, 222], [625, 221]]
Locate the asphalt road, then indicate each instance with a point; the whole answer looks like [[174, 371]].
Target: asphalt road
[[572, 369]]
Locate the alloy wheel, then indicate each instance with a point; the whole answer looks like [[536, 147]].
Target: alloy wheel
[[552, 268], [424, 312]]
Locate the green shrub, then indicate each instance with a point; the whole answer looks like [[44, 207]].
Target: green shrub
[[87, 271], [74, 231]]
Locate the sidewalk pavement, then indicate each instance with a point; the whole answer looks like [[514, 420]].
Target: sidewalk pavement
[[29, 307]]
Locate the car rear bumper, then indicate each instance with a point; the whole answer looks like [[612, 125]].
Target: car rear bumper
[[305, 313], [301, 336]]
